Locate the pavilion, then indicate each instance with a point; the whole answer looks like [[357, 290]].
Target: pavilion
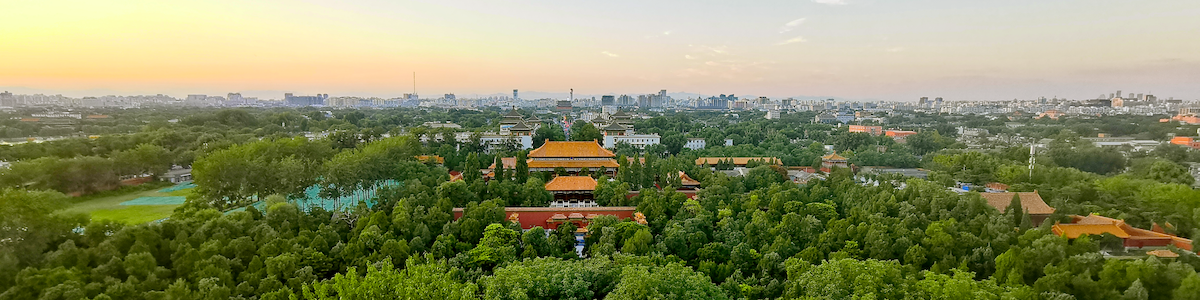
[[572, 191], [834, 160]]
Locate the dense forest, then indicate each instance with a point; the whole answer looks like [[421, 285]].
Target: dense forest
[[759, 236]]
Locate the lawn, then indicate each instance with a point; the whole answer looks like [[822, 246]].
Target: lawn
[[108, 206]]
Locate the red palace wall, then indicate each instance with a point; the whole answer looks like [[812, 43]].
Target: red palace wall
[[530, 217]]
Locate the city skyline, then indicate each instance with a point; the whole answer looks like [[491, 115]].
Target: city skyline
[[848, 49]]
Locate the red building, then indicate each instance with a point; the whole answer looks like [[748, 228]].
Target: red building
[[873, 130], [552, 217], [834, 160], [738, 161], [572, 191], [1133, 237], [573, 157]]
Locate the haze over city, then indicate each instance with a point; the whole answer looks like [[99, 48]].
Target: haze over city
[[854, 49]]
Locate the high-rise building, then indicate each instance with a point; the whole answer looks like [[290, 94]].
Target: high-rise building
[[292, 100], [515, 95], [236, 99], [922, 102], [716, 102], [607, 100], [937, 103], [7, 99], [625, 100]]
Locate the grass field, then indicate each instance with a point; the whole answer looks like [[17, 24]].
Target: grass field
[[108, 206]]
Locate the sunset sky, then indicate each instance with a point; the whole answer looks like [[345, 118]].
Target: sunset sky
[[854, 49]]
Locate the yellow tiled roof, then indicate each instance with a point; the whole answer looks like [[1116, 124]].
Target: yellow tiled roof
[[1164, 253], [687, 181], [833, 156], [509, 163], [1072, 231], [571, 149], [593, 164], [736, 160], [571, 183]]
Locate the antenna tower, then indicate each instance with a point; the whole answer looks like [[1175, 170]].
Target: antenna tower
[[1031, 160]]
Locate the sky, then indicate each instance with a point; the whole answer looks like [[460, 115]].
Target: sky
[[852, 49]]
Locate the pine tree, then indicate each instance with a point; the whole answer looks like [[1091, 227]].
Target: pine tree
[[471, 168], [1136, 291], [635, 171], [1026, 221], [522, 168], [1014, 210], [499, 171]]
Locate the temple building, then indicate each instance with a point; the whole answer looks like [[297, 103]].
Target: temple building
[[1031, 203], [834, 160], [623, 118], [1133, 237], [572, 191], [738, 162], [513, 123], [572, 156], [687, 183], [552, 217], [615, 129]]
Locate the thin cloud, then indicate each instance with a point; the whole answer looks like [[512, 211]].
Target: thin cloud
[[717, 50], [794, 40], [896, 49], [830, 2], [659, 35], [791, 25], [689, 56], [610, 54]]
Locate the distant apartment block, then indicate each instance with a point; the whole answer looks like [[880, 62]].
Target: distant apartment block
[[608, 100], [293, 100], [1185, 141], [899, 135], [873, 130], [7, 99], [639, 141], [825, 119]]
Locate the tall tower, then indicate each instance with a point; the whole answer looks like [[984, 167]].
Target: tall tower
[[1032, 152]]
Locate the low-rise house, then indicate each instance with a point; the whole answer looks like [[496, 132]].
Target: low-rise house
[[738, 162], [178, 175]]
